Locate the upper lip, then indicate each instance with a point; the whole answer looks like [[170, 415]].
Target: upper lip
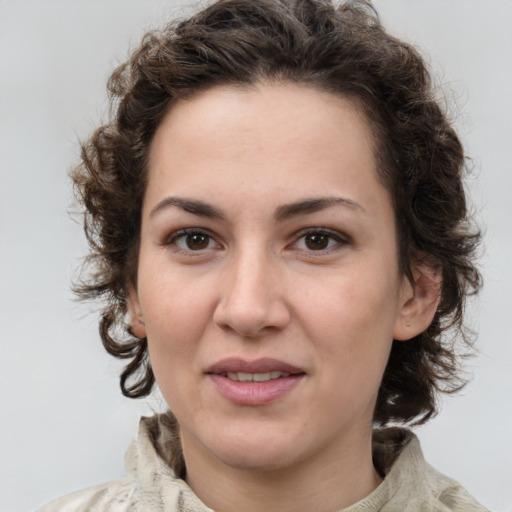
[[263, 365]]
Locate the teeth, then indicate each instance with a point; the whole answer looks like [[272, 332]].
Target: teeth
[[256, 377], [261, 377]]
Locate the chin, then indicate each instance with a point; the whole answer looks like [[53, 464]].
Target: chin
[[260, 459], [257, 451]]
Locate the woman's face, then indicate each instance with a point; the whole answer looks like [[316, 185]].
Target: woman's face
[[268, 281]]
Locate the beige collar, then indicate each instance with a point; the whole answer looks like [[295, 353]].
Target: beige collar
[[409, 484]]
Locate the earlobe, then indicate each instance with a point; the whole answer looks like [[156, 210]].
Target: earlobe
[[137, 326], [418, 302]]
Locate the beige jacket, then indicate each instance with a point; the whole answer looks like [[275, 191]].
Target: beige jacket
[[410, 484]]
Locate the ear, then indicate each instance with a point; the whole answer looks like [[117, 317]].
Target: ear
[[418, 301], [137, 326]]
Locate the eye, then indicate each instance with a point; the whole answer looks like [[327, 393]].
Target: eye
[[192, 240], [319, 240]]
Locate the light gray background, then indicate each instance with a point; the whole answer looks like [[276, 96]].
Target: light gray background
[[64, 425]]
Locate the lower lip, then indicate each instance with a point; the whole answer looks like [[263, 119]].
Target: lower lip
[[255, 393]]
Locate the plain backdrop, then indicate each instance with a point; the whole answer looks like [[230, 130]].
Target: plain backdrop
[[64, 424]]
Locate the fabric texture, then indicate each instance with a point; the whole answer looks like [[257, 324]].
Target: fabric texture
[[410, 484]]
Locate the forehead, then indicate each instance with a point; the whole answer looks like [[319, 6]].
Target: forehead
[[282, 139], [250, 110]]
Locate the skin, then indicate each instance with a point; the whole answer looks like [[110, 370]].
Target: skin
[[262, 281]]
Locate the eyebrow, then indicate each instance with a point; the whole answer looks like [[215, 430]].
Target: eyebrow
[[189, 205], [284, 212], [314, 205]]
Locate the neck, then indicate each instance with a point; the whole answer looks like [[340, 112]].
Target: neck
[[334, 478]]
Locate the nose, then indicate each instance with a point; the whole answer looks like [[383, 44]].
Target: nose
[[252, 299]]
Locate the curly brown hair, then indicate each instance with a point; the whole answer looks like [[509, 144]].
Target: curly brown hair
[[339, 48]]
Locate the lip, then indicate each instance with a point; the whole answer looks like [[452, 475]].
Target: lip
[[254, 393], [263, 365]]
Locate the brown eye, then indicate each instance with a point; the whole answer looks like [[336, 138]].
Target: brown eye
[[192, 241], [197, 241], [320, 240], [317, 241]]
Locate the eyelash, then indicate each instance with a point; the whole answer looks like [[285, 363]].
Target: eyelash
[[172, 240], [332, 236]]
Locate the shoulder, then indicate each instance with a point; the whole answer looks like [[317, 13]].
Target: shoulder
[[116, 496], [152, 483], [410, 483], [449, 494]]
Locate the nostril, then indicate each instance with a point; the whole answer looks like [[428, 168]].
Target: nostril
[[250, 301], [247, 321]]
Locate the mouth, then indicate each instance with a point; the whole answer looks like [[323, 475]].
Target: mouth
[[260, 370], [254, 377], [254, 382]]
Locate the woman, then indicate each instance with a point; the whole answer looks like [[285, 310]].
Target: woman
[[278, 223]]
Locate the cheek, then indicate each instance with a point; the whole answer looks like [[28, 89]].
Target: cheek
[[176, 314], [173, 333], [172, 300], [351, 301], [349, 324], [352, 317]]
